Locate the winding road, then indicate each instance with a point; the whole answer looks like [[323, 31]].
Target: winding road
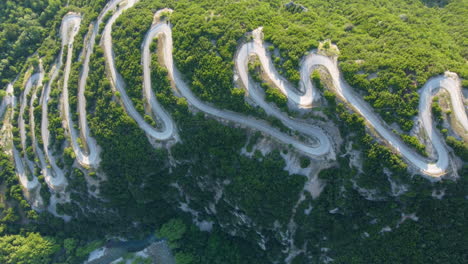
[[55, 177], [25, 167], [449, 81], [83, 158], [118, 83], [322, 148], [90, 157], [319, 145]]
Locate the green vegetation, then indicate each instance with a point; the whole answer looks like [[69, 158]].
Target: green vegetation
[[172, 231], [202, 247], [415, 143], [12, 203], [33, 249], [436, 110], [70, 245], [264, 190], [23, 27], [304, 162], [127, 35], [272, 94], [275, 96], [403, 243], [460, 147]]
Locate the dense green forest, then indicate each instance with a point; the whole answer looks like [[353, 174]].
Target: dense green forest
[[259, 212]]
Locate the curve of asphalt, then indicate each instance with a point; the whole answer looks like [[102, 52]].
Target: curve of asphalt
[[175, 75], [85, 159], [22, 162], [167, 121], [25, 168], [118, 84], [303, 98], [89, 157]]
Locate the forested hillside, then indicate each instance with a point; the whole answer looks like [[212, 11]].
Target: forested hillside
[[197, 161]]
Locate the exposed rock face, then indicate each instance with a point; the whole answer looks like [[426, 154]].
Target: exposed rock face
[[105, 255], [295, 8], [160, 253]]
